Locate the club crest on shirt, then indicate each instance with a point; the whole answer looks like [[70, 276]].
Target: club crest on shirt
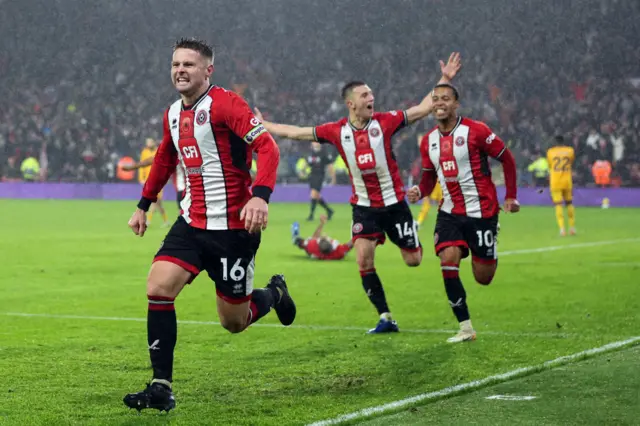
[[374, 132], [459, 141], [436, 237], [201, 117], [357, 228]]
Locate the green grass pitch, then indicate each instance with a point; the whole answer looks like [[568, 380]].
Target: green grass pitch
[[76, 276]]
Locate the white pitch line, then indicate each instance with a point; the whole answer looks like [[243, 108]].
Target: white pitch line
[[568, 246], [352, 328], [300, 326], [498, 378]]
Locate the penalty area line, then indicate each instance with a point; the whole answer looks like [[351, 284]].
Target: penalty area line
[[477, 384], [295, 326]]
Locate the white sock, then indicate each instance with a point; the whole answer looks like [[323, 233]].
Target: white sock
[[386, 316], [466, 325], [162, 382]]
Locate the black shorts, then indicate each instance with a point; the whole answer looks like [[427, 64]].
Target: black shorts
[[478, 235], [396, 221], [315, 182], [228, 256]]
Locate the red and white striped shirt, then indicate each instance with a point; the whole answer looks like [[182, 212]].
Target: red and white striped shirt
[[460, 160], [213, 140], [375, 178]]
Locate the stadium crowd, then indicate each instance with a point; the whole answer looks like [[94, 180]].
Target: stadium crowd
[[82, 94]]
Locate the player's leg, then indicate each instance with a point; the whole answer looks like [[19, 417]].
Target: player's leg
[[435, 196], [325, 206], [482, 236], [424, 211], [176, 264], [152, 210], [231, 265], [295, 232], [571, 211], [366, 235], [402, 230], [179, 197], [365, 254], [451, 248], [160, 208], [314, 196], [556, 197]]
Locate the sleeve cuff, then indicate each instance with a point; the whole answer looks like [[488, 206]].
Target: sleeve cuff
[[263, 192], [144, 204]]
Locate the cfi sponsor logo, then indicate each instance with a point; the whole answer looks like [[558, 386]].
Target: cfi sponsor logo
[[201, 117], [490, 139], [255, 122]]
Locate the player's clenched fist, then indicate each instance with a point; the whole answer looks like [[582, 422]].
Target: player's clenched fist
[[511, 205], [414, 194], [255, 215], [138, 222]]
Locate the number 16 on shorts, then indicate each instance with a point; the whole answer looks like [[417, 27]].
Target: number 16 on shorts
[[235, 276]]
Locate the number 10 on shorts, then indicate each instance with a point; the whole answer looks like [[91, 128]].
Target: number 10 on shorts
[[485, 238]]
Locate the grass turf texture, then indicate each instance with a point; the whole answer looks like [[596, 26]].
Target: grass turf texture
[[79, 258], [602, 390]]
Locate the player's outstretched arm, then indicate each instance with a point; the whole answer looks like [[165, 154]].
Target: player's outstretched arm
[[139, 164], [509, 169], [496, 148], [424, 108], [164, 165], [318, 232], [428, 181], [286, 130]]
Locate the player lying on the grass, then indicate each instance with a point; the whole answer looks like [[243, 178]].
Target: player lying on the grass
[[379, 209], [455, 153], [319, 246], [220, 226]]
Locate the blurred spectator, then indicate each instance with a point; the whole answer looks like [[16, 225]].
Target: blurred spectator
[[89, 89]]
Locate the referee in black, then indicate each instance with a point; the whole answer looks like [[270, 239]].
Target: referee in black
[[319, 160]]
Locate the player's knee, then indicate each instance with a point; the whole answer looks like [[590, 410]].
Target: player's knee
[[159, 286], [484, 278], [166, 279], [233, 325], [365, 262], [484, 273], [412, 258], [450, 255]]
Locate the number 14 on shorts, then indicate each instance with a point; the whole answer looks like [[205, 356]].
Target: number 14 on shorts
[[408, 231]]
